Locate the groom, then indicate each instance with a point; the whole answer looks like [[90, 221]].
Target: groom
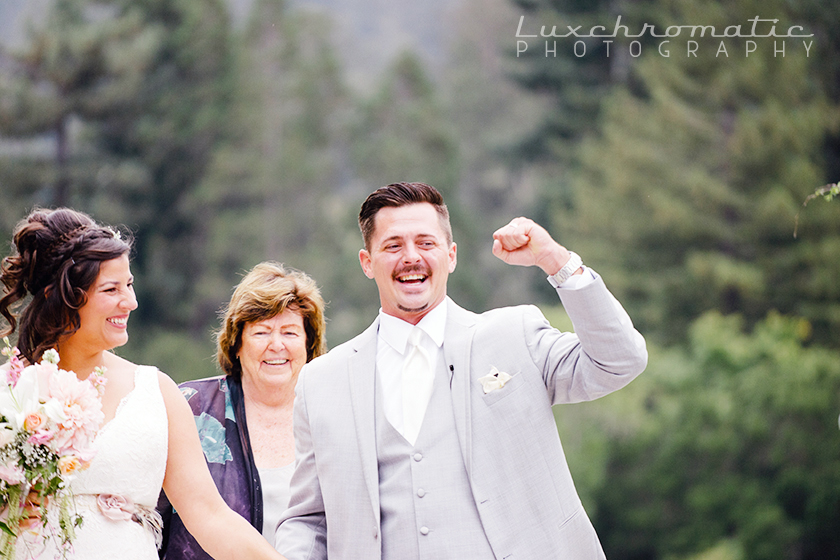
[[430, 435]]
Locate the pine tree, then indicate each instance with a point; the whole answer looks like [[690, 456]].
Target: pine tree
[[576, 74], [79, 69], [686, 201], [278, 187], [725, 449], [403, 133], [127, 97], [407, 132]]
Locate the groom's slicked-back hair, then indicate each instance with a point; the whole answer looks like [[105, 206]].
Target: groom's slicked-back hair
[[401, 194]]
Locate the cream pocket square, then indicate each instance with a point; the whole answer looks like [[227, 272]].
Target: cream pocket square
[[494, 380]]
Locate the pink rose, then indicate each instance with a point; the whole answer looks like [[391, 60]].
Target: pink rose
[[41, 437], [114, 507], [12, 474]]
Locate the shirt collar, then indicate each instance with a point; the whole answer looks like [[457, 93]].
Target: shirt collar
[[395, 331]]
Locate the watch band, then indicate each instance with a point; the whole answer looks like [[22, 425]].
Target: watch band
[[567, 271]]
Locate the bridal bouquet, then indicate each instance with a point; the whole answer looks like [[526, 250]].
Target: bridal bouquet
[[48, 420]]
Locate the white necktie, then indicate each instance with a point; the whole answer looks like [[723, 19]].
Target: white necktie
[[417, 382]]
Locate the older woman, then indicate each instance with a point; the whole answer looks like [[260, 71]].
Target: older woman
[[74, 279], [272, 326]]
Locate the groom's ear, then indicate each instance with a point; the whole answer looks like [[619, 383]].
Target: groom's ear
[[364, 260]]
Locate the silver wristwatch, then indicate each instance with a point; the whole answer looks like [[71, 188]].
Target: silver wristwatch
[[567, 271]]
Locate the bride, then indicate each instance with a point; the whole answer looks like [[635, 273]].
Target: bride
[[82, 293]]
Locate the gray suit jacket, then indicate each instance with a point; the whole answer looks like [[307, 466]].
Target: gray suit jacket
[[509, 444]]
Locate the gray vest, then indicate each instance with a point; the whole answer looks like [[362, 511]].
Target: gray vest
[[427, 508]]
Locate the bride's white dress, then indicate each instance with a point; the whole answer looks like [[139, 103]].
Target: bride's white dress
[[130, 462]]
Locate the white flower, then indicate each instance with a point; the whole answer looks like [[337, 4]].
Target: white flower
[[54, 410], [494, 380], [51, 356], [18, 401], [7, 434]]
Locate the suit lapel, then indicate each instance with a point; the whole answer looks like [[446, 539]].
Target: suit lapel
[[460, 329], [361, 371]]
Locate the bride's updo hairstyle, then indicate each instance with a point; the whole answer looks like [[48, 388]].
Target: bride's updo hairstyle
[[55, 260]]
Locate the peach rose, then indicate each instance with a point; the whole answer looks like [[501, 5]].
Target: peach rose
[[69, 464], [34, 421]]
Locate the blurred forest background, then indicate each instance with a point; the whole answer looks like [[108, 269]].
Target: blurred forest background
[[226, 133]]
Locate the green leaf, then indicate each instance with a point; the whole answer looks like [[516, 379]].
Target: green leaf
[[6, 529]]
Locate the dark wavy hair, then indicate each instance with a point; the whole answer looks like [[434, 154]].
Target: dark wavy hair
[[401, 194], [55, 260]]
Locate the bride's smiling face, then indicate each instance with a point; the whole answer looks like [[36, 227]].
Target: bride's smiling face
[[110, 300]]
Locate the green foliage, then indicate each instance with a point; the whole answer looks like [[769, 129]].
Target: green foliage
[[686, 200], [276, 188], [576, 85], [732, 441], [403, 133], [64, 77], [179, 354], [115, 107], [169, 138], [488, 113], [827, 192], [12, 506]]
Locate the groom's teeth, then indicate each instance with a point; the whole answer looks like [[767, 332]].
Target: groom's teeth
[[412, 277]]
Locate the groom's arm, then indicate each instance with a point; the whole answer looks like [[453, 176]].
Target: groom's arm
[[302, 531], [605, 353]]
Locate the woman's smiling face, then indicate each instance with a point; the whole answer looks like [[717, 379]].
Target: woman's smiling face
[[110, 300], [273, 350]]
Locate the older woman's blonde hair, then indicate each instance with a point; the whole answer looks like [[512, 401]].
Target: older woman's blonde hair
[[266, 291]]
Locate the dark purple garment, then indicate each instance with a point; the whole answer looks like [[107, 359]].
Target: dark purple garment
[[219, 409]]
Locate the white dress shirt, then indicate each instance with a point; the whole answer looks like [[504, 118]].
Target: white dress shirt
[[392, 348]]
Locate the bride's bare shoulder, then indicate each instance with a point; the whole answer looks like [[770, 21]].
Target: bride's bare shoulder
[[122, 371], [118, 363]]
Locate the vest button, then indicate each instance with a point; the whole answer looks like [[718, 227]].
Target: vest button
[[421, 492], [418, 457], [424, 530]]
